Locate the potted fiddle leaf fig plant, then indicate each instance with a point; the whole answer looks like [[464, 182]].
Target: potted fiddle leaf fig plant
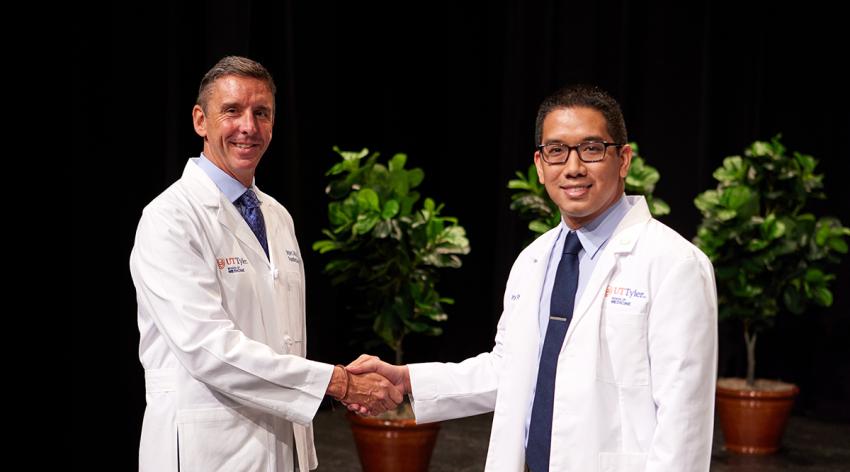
[[771, 255], [532, 202], [387, 248]]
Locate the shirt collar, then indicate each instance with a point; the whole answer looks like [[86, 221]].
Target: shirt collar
[[230, 187], [595, 234]]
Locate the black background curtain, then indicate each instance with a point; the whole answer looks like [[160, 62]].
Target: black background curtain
[[455, 86]]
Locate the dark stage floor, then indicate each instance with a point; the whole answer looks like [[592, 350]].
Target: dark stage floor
[[808, 446]]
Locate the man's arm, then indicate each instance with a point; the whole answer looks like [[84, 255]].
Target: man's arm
[[178, 289], [682, 338]]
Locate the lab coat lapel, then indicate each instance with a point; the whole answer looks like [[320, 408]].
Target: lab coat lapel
[[507, 436], [622, 242], [528, 310], [228, 216]]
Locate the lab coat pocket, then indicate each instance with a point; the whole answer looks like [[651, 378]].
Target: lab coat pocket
[[221, 439], [621, 462], [624, 358]]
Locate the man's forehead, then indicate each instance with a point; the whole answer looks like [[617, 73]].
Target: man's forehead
[[587, 120], [237, 88]]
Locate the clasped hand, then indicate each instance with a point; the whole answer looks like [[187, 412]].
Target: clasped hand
[[371, 393], [392, 383]]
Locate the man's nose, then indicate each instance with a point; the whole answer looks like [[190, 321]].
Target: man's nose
[[247, 123], [573, 166]]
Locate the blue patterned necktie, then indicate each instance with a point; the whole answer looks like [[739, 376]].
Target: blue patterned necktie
[[249, 206], [560, 313]]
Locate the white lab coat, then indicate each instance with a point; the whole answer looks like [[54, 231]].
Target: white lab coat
[[636, 375], [222, 336]]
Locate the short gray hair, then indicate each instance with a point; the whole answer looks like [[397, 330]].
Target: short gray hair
[[232, 65]]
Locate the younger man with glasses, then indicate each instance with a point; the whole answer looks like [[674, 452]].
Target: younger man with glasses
[[604, 358]]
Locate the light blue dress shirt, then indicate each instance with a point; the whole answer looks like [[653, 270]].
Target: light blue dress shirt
[[230, 187]]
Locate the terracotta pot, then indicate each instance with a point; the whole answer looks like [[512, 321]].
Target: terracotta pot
[[753, 420], [393, 445]]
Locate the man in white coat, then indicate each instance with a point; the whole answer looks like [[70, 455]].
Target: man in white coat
[[630, 382], [220, 289]]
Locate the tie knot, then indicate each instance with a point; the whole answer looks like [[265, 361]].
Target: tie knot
[[572, 245], [249, 199]]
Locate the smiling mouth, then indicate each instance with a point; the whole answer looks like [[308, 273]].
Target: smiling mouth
[[576, 190]]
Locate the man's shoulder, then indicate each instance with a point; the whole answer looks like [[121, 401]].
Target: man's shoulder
[[173, 198], [667, 243]]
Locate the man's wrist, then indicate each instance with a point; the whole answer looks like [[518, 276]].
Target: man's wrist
[[338, 386], [406, 380]]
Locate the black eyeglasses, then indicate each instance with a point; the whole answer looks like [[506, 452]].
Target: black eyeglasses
[[558, 153]]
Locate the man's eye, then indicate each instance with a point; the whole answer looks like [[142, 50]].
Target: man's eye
[[556, 149]]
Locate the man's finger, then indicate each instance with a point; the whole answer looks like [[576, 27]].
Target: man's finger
[[362, 366], [396, 395]]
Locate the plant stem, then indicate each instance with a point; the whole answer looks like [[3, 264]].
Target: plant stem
[[750, 339]]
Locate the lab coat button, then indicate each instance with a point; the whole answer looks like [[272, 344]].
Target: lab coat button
[[287, 339], [275, 273]]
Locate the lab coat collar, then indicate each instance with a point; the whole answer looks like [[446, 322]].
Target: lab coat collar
[[205, 191]]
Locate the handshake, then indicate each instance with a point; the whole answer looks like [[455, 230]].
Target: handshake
[[369, 386]]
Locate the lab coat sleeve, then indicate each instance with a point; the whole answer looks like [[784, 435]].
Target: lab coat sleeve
[[682, 335], [444, 391], [177, 286]]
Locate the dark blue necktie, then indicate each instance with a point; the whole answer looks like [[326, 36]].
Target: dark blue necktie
[[249, 206], [560, 313]]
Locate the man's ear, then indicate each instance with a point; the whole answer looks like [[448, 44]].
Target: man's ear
[[626, 160], [538, 163], [199, 120]]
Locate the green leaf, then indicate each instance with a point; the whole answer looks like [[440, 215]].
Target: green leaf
[[352, 155], [793, 300], [815, 275], [707, 200], [391, 208], [754, 245], [823, 296], [367, 199], [417, 326], [735, 197], [336, 214], [837, 245], [415, 177], [733, 170], [519, 184], [772, 228], [726, 215], [325, 245], [337, 168], [399, 183], [808, 163], [365, 223], [397, 162], [658, 207], [538, 226]]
